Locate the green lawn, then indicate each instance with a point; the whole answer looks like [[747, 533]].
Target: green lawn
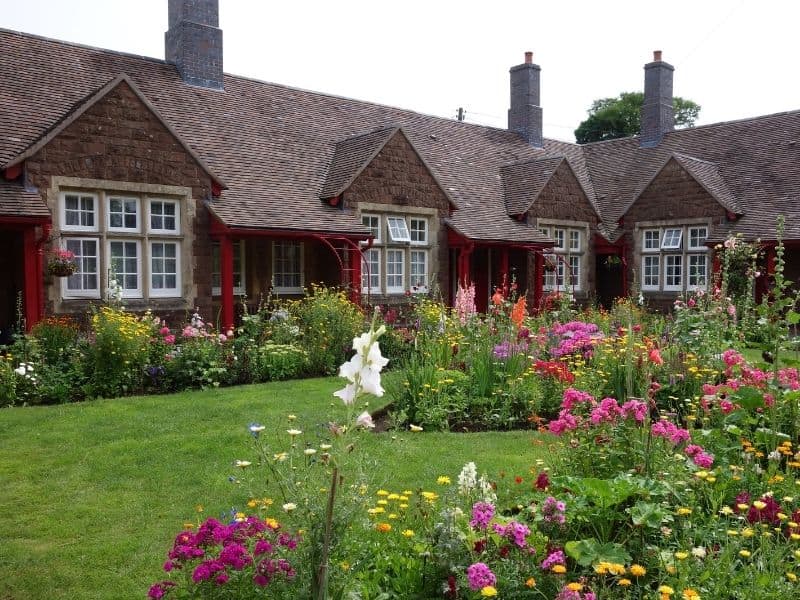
[[92, 494]]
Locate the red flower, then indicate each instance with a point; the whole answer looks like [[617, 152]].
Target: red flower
[[655, 357]]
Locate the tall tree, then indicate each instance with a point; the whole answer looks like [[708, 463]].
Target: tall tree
[[611, 118]]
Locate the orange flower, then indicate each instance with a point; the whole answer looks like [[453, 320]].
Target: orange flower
[[497, 298], [518, 312]]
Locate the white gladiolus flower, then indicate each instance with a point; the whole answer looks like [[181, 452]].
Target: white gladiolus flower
[[347, 394], [363, 370]]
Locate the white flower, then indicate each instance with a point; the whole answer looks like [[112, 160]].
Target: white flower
[[20, 370], [371, 382], [325, 446], [256, 428], [243, 463], [467, 478], [415, 428], [774, 455], [347, 394], [293, 432], [699, 552], [289, 506], [365, 420], [310, 451]]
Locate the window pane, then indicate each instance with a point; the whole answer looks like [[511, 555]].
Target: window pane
[[697, 237], [125, 264], [419, 231], [394, 270], [672, 239], [559, 237], [85, 278], [673, 271], [373, 222], [398, 231], [123, 213], [652, 239], [371, 269], [418, 274], [698, 270], [574, 241], [651, 271], [287, 265], [164, 266]]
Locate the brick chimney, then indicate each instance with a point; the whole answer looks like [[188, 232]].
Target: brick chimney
[[525, 114], [193, 42], [658, 116]]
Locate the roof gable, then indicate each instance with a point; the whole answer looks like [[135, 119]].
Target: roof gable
[[705, 173], [523, 182], [92, 100]]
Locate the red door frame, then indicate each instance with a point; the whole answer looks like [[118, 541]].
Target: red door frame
[[33, 263]]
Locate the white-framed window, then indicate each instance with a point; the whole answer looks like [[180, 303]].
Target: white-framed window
[[85, 283], [398, 230], [399, 259], [238, 269], [418, 271], [559, 235], [112, 236], [79, 211], [673, 272], [697, 238], [418, 230], [564, 265], [651, 240], [395, 271], [164, 216], [122, 214], [651, 272], [698, 271], [672, 239], [165, 274], [574, 240], [371, 270], [287, 267], [373, 223], [125, 266], [670, 265]]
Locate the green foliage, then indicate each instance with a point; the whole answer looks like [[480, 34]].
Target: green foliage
[[8, 383], [57, 338], [279, 361], [328, 321], [198, 362], [611, 118], [115, 358]]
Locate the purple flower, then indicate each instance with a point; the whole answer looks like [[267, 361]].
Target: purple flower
[[554, 558], [553, 510], [482, 513], [480, 576]]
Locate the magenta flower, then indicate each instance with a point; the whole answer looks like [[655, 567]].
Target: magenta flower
[[554, 558], [482, 513], [480, 576]]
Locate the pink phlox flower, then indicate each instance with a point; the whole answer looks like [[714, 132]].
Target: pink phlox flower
[[703, 460], [635, 409], [606, 412], [731, 357], [482, 513], [670, 431], [235, 556], [566, 421], [554, 558], [480, 576], [571, 397]]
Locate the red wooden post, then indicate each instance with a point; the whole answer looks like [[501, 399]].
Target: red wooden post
[[771, 261], [538, 279], [226, 280], [504, 270], [33, 274], [355, 275]]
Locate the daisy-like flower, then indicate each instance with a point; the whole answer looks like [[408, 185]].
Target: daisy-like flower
[[443, 480], [638, 570], [294, 432], [310, 451], [243, 464], [289, 506], [415, 428]]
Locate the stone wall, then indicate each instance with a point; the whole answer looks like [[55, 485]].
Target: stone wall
[[120, 145]]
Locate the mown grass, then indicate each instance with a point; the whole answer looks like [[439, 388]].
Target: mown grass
[[92, 494]]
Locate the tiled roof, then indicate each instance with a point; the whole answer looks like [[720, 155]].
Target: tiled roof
[[751, 166], [16, 201], [352, 156], [275, 147], [523, 182]]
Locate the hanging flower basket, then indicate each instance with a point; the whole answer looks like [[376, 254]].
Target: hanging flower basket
[[62, 264]]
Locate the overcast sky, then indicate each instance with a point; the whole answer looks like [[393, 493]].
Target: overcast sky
[[737, 59]]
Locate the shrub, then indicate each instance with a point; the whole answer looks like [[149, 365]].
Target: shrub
[[279, 361], [328, 322], [116, 357], [199, 359], [57, 337], [8, 382]]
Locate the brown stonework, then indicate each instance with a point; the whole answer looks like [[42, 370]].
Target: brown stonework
[[563, 199], [118, 139], [398, 178], [674, 196]]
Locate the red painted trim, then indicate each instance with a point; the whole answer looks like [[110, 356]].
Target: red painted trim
[[355, 275], [226, 280], [23, 222], [218, 229], [538, 283], [216, 189], [13, 171], [622, 253], [31, 289], [771, 257], [504, 268]]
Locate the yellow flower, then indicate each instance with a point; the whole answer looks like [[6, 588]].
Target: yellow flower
[[415, 428], [488, 591], [681, 555], [760, 505], [638, 570], [383, 527], [430, 496], [559, 569], [624, 582], [443, 480], [409, 533], [575, 586], [791, 576], [530, 582], [744, 553], [683, 511], [690, 594], [382, 493], [666, 590]]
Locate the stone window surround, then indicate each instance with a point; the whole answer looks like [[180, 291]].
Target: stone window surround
[[685, 252], [390, 210], [102, 187], [585, 229]]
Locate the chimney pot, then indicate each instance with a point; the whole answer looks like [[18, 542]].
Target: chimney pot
[[529, 58], [193, 42], [656, 55]]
